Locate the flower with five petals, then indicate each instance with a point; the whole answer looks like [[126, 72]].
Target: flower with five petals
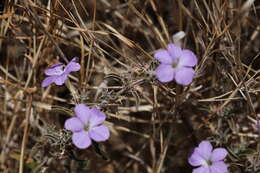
[[176, 63], [86, 126], [208, 160], [58, 73]]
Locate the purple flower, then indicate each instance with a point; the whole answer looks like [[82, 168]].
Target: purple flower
[[257, 123], [208, 161], [58, 73], [86, 126], [175, 64]]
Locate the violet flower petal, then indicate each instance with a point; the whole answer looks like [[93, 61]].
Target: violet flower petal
[[163, 56], [184, 76], [188, 59], [72, 66], [47, 81], [218, 154], [81, 139], [56, 69], [175, 51], [99, 133], [165, 73], [219, 167], [201, 170], [83, 113], [60, 80], [74, 124], [195, 159], [97, 117], [205, 149]]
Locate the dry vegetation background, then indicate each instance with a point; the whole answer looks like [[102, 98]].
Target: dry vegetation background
[[153, 126]]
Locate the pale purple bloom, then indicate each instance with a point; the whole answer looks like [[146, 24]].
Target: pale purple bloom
[[258, 123], [208, 160], [86, 126], [58, 73], [176, 63]]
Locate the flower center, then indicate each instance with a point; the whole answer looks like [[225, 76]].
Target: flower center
[[87, 127], [175, 63], [59, 69], [209, 162]]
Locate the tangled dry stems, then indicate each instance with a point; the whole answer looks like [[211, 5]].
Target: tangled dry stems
[[153, 125]]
